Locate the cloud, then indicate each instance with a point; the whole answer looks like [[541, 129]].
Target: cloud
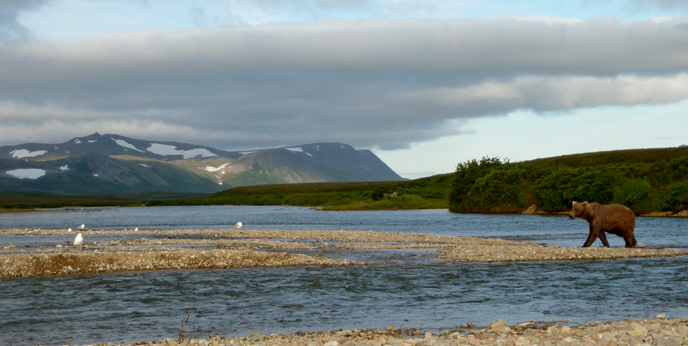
[[661, 4], [373, 83], [319, 4], [9, 11], [431, 8]]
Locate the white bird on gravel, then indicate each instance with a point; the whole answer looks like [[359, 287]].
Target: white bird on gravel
[[136, 229], [238, 225], [78, 240], [69, 230], [82, 226]]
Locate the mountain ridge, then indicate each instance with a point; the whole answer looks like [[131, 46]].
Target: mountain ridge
[[112, 163]]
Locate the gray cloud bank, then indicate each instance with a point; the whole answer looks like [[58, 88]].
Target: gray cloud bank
[[662, 4], [375, 83], [9, 11]]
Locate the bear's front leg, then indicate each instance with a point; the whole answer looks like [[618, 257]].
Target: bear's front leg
[[603, 238], [592, 236]]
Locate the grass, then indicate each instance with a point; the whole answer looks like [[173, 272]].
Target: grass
[[12, 202], [400, 203], [425, 193], [616, 156]]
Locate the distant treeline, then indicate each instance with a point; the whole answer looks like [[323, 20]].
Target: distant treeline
[[493, 185], [18, 201], [425, 193]]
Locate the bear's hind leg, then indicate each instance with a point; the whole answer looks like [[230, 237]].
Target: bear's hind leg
[[630, 241], [591, 239]]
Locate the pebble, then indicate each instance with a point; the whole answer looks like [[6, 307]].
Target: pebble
[[243, 248], [667, 331]]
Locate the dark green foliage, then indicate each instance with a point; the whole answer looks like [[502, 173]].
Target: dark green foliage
[[492, 185], [634, 193], [562, 185], [675, 198], [379, 192]]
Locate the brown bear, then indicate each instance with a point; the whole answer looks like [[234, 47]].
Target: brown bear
[[612, 218]]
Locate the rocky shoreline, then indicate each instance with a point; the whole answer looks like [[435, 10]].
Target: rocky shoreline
[[655, 331], [222, 249]]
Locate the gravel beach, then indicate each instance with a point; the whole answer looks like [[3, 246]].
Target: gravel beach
[[655, 331], [221, 249]]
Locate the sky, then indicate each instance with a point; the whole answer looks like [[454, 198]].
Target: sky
[[424, 84]]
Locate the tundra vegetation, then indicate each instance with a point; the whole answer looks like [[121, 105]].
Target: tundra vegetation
[[425, 193], [644, 183]]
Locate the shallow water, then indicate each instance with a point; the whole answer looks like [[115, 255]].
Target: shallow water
[[146, 306], [556, 230], [151, 305]]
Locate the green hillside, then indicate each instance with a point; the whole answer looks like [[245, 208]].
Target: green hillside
[[617, 156], [645, 180]]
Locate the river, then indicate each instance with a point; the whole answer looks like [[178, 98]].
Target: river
[[145, 306]]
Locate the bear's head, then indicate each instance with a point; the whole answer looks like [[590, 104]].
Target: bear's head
[[578, 209]]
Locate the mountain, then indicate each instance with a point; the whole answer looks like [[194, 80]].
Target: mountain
[[101, 164]]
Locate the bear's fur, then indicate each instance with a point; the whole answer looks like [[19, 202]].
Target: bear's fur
[[611, 218]]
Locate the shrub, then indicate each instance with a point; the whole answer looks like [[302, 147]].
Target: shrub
[[675, 197], [378, 193], [634, 193]]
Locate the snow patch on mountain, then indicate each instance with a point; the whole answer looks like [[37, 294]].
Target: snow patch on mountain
[[295, 150], [124, 143], [22, 153], [27, 173], [215, 169], [171, 150]]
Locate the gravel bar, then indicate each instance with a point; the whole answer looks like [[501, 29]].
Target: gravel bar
[[656, 331], [221, 249]]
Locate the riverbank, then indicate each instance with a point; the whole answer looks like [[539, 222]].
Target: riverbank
[[235, 248], [652, 331]]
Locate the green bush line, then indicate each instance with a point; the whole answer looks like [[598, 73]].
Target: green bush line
[[425, 193], [492, 185]]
